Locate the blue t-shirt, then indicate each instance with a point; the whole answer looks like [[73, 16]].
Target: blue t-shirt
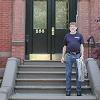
[[73, 42]]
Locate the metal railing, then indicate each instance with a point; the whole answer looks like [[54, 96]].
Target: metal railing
[[93, 49], [91, 45]]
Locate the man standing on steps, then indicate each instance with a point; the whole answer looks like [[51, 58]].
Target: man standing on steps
[[73, 48]]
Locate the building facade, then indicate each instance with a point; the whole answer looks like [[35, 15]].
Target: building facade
[[34, 29]]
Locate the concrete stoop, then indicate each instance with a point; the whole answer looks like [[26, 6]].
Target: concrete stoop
[[45, 80]]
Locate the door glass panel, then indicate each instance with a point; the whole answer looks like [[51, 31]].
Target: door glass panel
[[40, 14], [61, 14]]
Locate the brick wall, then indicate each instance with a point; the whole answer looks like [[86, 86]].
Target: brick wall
[[95, 13], [88, 12], [84, 17], [18, 36], [5, 30], [12, 26]]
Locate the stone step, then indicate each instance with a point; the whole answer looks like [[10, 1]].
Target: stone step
[[42, 68], [31, 96], [49, 89], [29, 62], [43, 65], [48, 82], [43, 74]]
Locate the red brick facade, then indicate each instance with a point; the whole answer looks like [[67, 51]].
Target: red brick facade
[[88, 13], [5, 30], [12, 26], [18, 35]]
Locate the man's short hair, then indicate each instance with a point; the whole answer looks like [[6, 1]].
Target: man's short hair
[[73, 23]]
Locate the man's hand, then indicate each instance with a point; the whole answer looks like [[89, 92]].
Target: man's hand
[[62, 60], [82, 57]]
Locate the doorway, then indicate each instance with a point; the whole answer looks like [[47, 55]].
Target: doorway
[[46, 25]]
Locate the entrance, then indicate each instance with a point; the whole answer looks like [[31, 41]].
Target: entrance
[[46, 24]]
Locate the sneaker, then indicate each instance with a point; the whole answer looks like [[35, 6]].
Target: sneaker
[[68, 93], [79, 93]]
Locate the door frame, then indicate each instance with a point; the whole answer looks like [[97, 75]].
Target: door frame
[[28, 28]]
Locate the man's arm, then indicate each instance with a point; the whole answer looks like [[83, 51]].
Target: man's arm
[[82, 51], [63, 53]]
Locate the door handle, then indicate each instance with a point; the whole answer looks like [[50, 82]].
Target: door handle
[[53, 31]]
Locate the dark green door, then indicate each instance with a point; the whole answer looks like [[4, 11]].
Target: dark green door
[[46, 24]]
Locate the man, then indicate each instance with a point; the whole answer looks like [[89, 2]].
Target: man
[[73, 45]]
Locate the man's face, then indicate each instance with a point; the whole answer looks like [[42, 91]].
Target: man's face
[[73, 28]]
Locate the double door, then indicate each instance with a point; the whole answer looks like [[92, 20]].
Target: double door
[[46, 24]]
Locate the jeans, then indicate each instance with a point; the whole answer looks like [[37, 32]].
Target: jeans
[[70, 59]]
